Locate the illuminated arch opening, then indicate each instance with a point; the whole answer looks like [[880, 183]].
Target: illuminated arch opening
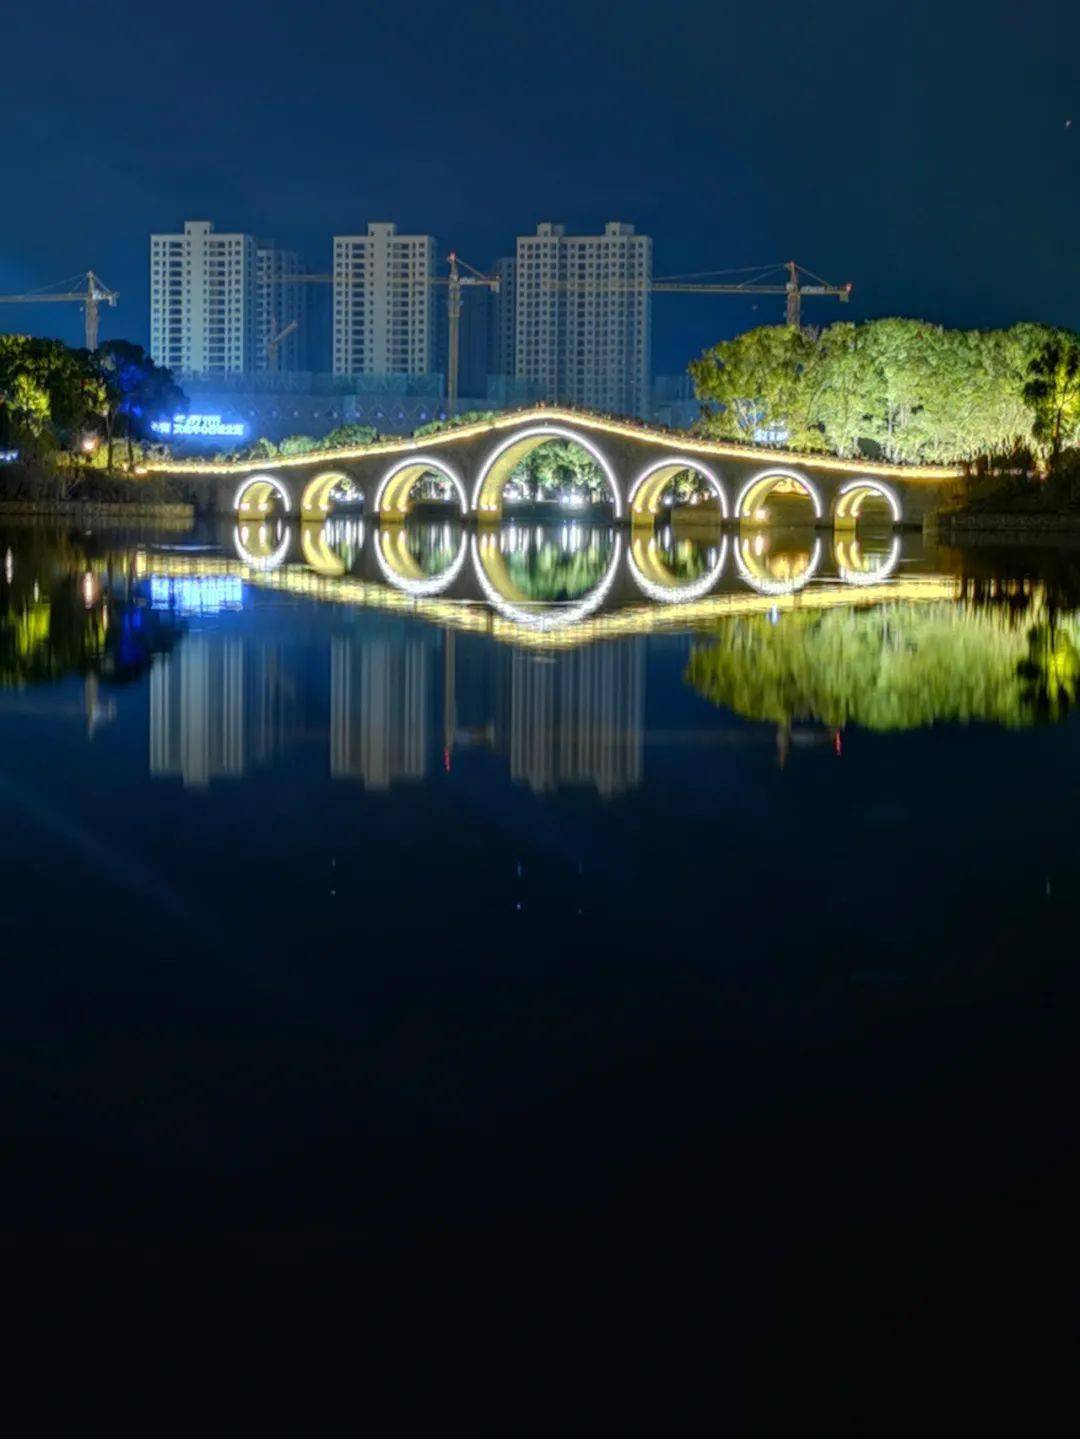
[[262, 544], [501, 464], [326, 491], [260, 496], [494, 578], [772, 571], [651, 570], [752, 507], [647, 492], [401, 568], [394, 498], [866, 499]]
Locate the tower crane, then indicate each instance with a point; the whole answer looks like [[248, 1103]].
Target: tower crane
[[274, 342], [794, 287], [454, 283], [94, 293]]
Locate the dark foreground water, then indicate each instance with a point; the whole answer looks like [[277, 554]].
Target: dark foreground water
[[647, 974]]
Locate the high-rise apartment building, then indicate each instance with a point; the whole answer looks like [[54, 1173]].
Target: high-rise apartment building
[[583, 316], [383, 305], [203, 301], [281, 309]]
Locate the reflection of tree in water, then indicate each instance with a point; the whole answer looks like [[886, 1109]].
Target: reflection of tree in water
[[685, 557], [556, 562], [433, 544], [1051, 672], [890, 667], [59, 617]]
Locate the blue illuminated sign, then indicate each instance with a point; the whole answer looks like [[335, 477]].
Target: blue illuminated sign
[[196, 594], [199, 426]]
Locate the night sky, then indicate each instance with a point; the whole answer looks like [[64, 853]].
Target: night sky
[[920, 149]]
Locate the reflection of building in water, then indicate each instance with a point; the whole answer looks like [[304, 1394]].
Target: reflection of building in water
[[576, 717], [217, 706], [379, 710]]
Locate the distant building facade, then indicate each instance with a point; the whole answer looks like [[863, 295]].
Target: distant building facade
[[383, 305], [502, 338], [203, 288], [583, 317], [281, 306]]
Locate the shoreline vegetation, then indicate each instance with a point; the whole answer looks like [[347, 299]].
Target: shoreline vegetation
[[76, 427]]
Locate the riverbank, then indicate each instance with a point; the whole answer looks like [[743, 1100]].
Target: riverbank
[[95, 510], [1023, 526]]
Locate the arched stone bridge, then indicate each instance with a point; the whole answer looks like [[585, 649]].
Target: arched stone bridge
[[637, 462]]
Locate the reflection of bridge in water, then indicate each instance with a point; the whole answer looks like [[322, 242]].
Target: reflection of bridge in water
[[600, 582], [558, 708]]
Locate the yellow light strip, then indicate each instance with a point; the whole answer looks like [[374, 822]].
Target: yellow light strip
[[625, 429]]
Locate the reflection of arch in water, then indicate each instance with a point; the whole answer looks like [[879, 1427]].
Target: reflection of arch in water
[[856, 567], [750, 506], [317, 544], [263, 546], [650, 572], [648, 489], [393, 498], [749, 562], [504, 460], [256, 494], [851, 498], [318, 493], [400, 569], [494, 579]]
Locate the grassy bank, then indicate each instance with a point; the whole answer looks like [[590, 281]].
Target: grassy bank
[[66, 490]]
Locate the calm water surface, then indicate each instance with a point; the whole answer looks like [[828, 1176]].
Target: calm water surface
[[553, 916]]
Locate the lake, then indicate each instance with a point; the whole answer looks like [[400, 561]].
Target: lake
[[562, 919]]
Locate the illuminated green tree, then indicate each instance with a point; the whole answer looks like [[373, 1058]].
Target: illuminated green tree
[[1053, 393]]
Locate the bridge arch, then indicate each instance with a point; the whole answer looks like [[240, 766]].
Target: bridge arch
[[256, 493], [851, 497], [316, 499], [750, 506], [505, 458], [392, 498], [643, 502]]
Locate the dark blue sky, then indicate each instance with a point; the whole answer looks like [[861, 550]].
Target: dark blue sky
[[919, 149]]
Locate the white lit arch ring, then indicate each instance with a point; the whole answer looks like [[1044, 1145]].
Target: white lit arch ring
[[542, 433], [780, 474], [274, 484], [874, 487], [422, 463], [676, 463]]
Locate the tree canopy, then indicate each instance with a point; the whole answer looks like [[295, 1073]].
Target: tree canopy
[[905, 389]]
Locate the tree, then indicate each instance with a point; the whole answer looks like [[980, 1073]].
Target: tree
[[756, 382], [137, 392], [1052, 392], [350, 435], [559, 467], [299, 445], [48, 392]]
